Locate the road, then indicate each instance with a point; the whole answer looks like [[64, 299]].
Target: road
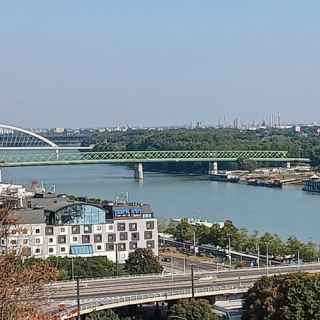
[[174, 264], [61, 292]]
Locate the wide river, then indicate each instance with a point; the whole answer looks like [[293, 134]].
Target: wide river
[[287, 212]]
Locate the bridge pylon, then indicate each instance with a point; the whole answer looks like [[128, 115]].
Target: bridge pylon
[[213, 168], [138, 171]]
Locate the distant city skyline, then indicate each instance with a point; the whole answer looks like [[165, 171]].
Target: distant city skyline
[[103, 63]]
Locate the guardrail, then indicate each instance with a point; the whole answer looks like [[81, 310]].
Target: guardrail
[[112, 302]]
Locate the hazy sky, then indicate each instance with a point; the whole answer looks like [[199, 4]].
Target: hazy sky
[[96, 63]]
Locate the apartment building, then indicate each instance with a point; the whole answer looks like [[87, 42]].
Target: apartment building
[[57, 226]]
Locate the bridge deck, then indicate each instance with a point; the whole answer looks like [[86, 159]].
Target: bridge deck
[[57, 157]]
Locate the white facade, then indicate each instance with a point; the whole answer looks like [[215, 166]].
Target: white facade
[[118, 237]]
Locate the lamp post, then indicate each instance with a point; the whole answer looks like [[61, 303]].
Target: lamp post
[[78, 298], [267, 270], [258, 252], [117, 262], [192, 281], [230, 258]]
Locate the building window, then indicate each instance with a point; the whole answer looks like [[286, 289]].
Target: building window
[[38, 241], [133, 245], [37, 231], [111, 227], [111, 237], [109, 247], [63, 250], [81, 214], [49, 231], [97, 238], [135, 236], [132, 226], [121, 246], [13, 231], [123, 236], [86, 238], [74, 239], [87, 228], [81, 249], [99, 247], [75, 229], [14, 242], [121, 226], [150, 225], [50, 240], [37, 251], [51, 250], [25, 241], [62, 230], [150, 244], [25, 231], [62, 239], [148, 235], [98, 228]]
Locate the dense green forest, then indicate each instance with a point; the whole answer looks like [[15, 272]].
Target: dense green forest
[[306, 145]]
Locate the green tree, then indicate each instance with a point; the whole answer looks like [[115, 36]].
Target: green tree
[[184, 231], [192, 309], [142, 261], [284, 297], [104, 315]]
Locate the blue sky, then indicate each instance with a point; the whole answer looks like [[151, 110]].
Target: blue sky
[[97, 63]]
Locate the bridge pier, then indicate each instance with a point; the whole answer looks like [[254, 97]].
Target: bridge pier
[[213, 168], [138, 171]]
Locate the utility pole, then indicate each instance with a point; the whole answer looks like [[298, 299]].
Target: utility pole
[[192, 281], [230, 262], [72, 268], [78, 298], [117, 262], [267, 258], [258, 251], [194, 243]]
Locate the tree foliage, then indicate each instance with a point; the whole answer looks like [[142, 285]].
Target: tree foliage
[[284, 297], [142, 261], [22, 288], [243, 241], [192, 309], [103, 315], [298, 145]]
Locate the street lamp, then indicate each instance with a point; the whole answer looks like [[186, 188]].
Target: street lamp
[[267, 270], [258, 252], [230, 258], [192, 281], [78, 298]]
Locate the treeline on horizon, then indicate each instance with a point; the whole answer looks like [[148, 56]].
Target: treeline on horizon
[[297, 144]]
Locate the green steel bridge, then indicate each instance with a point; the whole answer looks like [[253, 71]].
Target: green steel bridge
[[63, 157], [20, 147]]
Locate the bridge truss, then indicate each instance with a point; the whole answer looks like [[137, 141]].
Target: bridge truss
[[56, 157]]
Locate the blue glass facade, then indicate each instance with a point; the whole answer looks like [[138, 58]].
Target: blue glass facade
[[81, 249], [80, 214]]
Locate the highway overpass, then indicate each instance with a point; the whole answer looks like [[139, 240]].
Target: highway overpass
[[100, 294]]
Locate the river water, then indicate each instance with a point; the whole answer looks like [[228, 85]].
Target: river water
[[287, 212]]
